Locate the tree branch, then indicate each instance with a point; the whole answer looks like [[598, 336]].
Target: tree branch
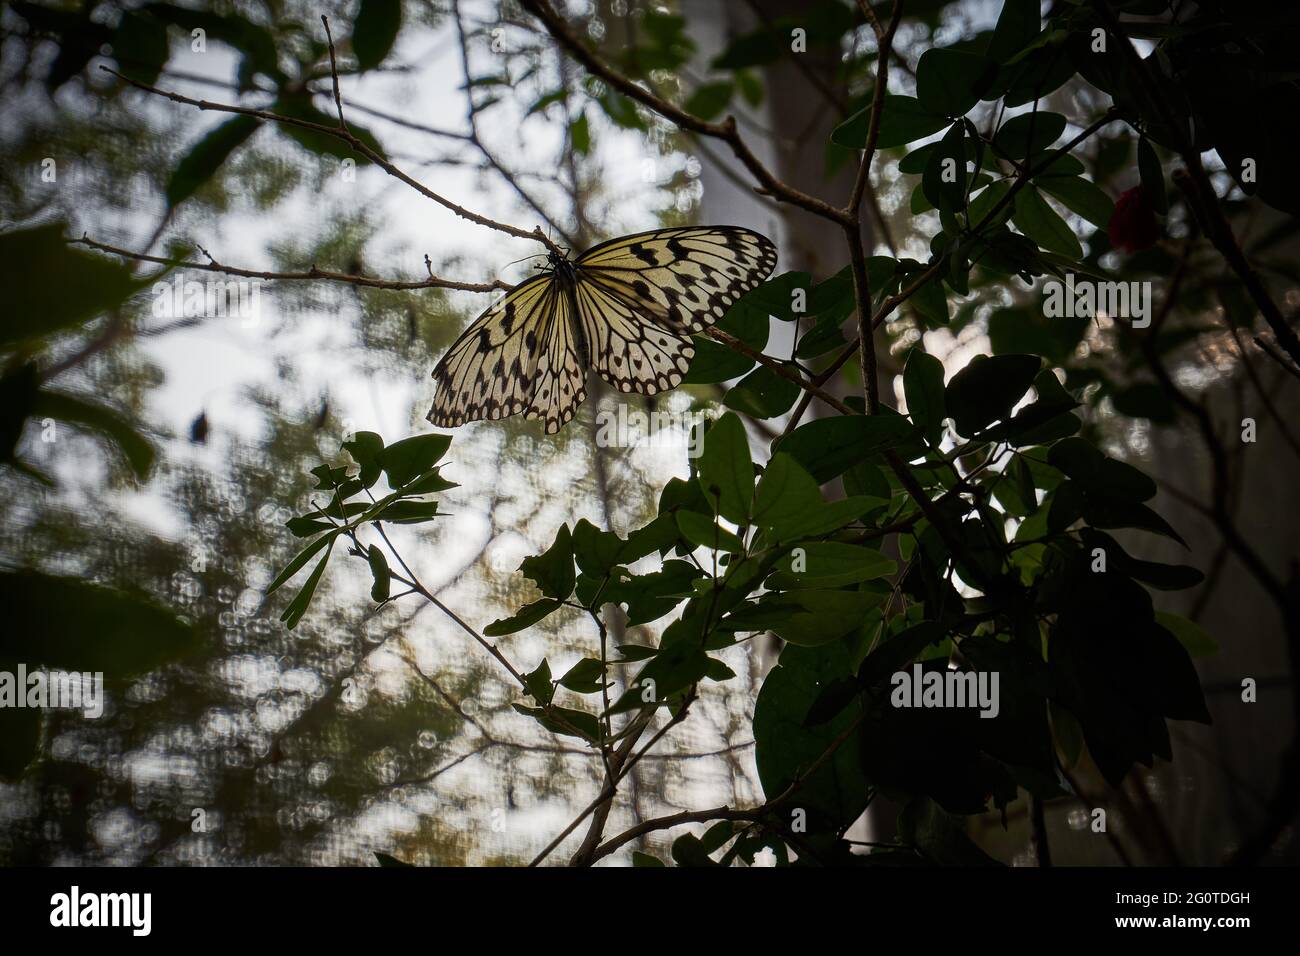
[[371, 282], [356, 144], [725, 131], [477, 142]]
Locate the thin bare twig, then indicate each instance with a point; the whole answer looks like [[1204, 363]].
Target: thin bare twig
[[358, 145], [853, 227], [371, 282], [476, 141], [334, 72]]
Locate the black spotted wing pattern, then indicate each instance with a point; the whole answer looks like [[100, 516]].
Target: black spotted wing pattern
[[489, 372], [629, 352], [561, 383], [682, 279]]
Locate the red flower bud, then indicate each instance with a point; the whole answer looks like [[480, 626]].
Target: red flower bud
[[1133, 225]]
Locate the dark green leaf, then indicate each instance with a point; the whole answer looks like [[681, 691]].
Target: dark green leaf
[[552, 570], [823, 518], [255, 44], [584, 676], [726, 469], [710, 99], [988, 199], [1041, 223], [140, 46], [812, 617], [20, 729], [688, 851], [676, 667], [930, 302], [304, 526], [1028, 133], [785, 492], [538, 683], [303, 556], [1145, 400], [34, 304], [950, 81], [831, 701], [405, 460], [923, 388], [72, 625], [18, 390], [527, 616], [703, 531], [1081, 197], [944, 181], [753, 49], [762, 394], [829, 564], [563, 720], [827, 447], [714, 363], [1101, 477], [407, 512], [1109, 513], [542, 102], [1152, 176], [580, 135], [298, 606], [364, 449], [1166, 577], [596, 551], [987, 389], [775, 297], [898, 651], [837, 792], [1191, 635], [375, 31], [135, 447], [903, 121], [622, 111], [428, 483], [1017, 27], [379, 571]]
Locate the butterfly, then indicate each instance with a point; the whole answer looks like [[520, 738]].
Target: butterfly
[[626, 308]]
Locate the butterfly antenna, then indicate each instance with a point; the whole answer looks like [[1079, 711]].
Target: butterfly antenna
[[535, 255], [552, 230]]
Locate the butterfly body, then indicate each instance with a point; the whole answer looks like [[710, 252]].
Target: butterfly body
[[626, 308], [565, 274]]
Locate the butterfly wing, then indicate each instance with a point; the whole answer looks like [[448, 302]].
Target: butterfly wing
[[684, 279], [629, 351], [561, 383], [640, 298], [630, 312], [490, 371]]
